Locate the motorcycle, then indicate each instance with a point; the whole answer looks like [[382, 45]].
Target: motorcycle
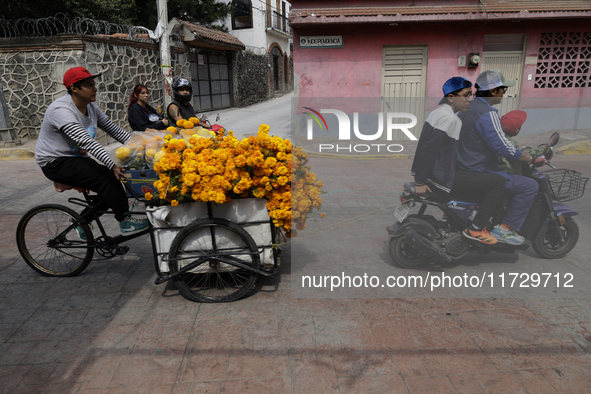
[[216, 128], [549, 227]]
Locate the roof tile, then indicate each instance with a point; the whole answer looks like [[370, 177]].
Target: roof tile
[[203, 33]]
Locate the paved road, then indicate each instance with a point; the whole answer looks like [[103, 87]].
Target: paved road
[[242, 121], [112, 330]]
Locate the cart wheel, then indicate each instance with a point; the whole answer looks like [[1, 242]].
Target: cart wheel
[[45, 249], [212, 245]]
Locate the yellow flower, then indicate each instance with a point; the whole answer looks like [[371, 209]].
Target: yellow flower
[[148, 196], [122, 152], [171, 129], [180, 122], [174, 203], [270, 162], [222, 168], [194, 120], [240, 161]]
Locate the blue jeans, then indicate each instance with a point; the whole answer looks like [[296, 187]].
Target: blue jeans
[[522, 191]]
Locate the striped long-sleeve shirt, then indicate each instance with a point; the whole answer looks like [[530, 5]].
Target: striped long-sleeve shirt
[[66, 132]]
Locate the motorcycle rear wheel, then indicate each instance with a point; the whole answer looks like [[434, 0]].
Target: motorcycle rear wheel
[[405, 255], [547, 244]]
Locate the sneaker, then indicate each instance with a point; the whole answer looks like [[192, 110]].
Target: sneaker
[[506, 235], [79, 232], [132, 225], [480, 235]]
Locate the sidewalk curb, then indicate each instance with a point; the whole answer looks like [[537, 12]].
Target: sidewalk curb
[[576, 148], [16, 154]]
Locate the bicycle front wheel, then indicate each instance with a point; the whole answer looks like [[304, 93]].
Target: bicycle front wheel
[[47, 248], [210, 246]]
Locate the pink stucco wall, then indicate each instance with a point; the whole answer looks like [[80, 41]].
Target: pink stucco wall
[[355, 69]]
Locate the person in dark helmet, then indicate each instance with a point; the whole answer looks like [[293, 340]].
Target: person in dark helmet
[[180, 108]]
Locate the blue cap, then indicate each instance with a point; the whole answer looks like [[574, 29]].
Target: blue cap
[[455, 83]]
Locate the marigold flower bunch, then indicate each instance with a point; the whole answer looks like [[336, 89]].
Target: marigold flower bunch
[[221, 168]]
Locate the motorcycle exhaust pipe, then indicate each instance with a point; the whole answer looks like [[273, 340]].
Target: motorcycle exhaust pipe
[[424, 245]]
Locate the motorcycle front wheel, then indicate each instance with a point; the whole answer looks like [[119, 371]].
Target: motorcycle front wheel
[[547, 242], [406, 255]]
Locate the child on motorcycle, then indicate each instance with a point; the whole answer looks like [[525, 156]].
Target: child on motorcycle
[[512, 123]]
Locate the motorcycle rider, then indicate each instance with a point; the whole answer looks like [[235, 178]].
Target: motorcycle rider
[[181, 107], [436, 156], [481, 141]]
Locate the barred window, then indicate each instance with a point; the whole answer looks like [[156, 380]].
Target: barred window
[[564, 60]]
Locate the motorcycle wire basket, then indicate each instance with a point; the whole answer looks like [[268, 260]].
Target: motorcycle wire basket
[[566, 185]]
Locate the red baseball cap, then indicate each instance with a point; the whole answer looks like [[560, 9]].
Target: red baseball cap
[[512, 122], [76, 74]]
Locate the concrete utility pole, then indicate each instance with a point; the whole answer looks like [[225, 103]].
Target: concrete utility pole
[[165, 60]]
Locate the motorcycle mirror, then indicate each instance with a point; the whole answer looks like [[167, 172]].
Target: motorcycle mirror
[[548, 155], [554, 138]]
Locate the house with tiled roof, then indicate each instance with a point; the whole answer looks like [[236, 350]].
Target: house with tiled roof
[[404, 50]]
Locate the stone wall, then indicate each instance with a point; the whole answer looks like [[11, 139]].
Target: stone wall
[[250, 79], [32, 72], [32, 78]]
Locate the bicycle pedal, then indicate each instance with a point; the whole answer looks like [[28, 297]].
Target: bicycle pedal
[[122, 249]]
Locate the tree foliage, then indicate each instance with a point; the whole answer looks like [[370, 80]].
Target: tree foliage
[[210, 13]]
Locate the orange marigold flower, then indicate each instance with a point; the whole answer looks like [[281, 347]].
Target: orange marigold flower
[[240, 161], [174, 203], [148, 196]]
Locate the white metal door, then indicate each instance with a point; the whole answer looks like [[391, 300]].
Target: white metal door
[[404, 76], [511, 65]]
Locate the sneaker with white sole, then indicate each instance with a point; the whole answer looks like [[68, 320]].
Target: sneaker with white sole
[[133, 225], [507, 236], [79, 232], [481, 235]]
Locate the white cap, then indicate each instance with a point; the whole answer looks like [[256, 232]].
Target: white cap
[[491, 79]]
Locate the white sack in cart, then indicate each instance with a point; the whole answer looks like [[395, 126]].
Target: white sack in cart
[[237, 211]]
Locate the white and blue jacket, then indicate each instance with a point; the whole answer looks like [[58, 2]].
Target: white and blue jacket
[[435, 157]]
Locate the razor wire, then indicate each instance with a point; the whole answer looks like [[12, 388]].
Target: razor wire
[[256, 50], [60, 24]]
